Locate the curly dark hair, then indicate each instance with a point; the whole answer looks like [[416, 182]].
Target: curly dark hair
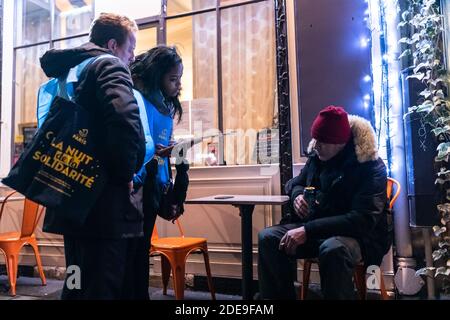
[[149, 68]]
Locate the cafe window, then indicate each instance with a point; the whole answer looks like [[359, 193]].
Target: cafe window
[[228, 52], [235, 94], [39, 26], [248, 78]]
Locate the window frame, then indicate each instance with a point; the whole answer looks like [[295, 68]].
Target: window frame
[[218, 9], [8, 122]]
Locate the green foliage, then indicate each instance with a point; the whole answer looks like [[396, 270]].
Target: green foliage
[[423, 48]]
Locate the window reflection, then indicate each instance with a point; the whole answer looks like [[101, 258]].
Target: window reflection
[[229, 2], [32, 21], [29, 76], [146, 39], [182, 6], [249, 81], [195, 38], [71, 43], [72, 17]]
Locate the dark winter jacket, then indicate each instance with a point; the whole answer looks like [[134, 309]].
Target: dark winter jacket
[[106, 90], [350, 193]]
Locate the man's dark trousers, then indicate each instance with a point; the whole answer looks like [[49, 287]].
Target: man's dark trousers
[[105, 267], [337, 259]]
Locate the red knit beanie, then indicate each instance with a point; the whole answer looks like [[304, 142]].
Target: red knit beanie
[[331, 126]]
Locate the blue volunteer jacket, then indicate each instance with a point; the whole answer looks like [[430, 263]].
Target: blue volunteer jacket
[[158, 130]]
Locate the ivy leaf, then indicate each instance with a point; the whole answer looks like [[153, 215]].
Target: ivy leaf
[[443, 151], [443, 120], [405, 53], [428, 271], [439, 230], [444, 208], [441, 181], [427, 106], [444, 271], [405, 40], [437, 101], [415, 38], [419, 76], [439, 93], [445, 219], [425, 48], [444, 244], [436, 81], [402, 24], [441, 130], [438, 254], [405, 15], [443, 172], [438, 97], [420, 66], [411, 110], [425, 93]]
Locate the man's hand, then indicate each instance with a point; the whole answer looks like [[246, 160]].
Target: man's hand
[[292, 239], [301, 207]]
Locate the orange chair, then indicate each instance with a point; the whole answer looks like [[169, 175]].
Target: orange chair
[[174, 252], [12, 242], [360, 271]]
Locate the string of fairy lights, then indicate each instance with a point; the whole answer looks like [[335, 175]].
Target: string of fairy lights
[[385, 99]]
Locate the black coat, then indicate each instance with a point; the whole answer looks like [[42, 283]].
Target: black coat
[[352, 201], [106, 90]]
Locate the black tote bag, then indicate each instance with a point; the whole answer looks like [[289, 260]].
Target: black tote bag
[[61, 168]]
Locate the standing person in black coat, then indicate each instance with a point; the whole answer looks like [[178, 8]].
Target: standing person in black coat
[[348, 222], [103, 246]]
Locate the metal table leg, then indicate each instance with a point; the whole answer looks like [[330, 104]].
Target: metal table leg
[[246, 212]]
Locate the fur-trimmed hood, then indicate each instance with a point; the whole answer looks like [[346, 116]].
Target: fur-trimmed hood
[[363, 138]]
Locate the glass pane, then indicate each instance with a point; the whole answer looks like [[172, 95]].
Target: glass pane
[[146, 39], [72, 17], [134, 9], [32, 21], [196, 40], [228, 2], [29, 76], [249, 83], [182, 6], [71, 43]]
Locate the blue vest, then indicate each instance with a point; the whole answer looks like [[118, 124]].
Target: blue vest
[[61, 87], [160, 129]]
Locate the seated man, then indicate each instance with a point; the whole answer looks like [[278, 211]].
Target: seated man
[[346, 223]]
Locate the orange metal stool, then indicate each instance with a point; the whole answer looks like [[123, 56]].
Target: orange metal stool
[[174, 252], [12, 242]]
